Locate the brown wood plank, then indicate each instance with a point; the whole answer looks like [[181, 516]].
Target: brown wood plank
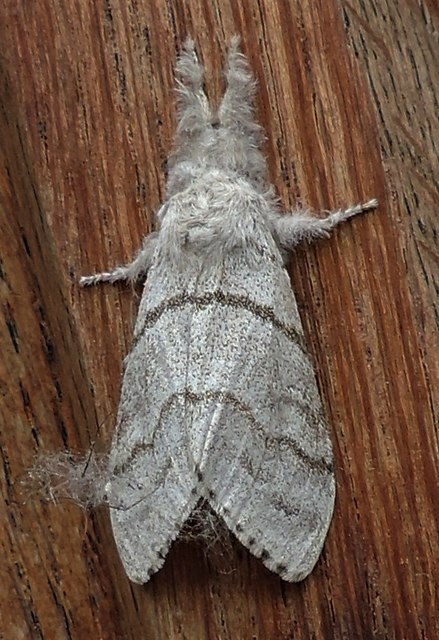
[[349, 98]]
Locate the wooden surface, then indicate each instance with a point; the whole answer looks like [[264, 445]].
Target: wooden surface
[[349, 98]]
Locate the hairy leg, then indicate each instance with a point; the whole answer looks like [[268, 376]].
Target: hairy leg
[[301, 226], [239, 148], [132, 272], [194, 112], [237, 106]]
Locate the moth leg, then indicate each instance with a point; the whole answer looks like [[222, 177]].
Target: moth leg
[[239, 149], [131, 272], [301, 226], [237, 106], [194, 118], [193, 108]]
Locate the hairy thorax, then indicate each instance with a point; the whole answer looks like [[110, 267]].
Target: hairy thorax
[[217, 214]]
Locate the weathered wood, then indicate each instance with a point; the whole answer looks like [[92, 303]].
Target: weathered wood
[[348, 96]]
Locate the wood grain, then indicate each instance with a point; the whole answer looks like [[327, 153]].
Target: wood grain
[[349, 98]]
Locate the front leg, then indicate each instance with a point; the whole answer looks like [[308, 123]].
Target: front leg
[[292, 229], [131, 272]]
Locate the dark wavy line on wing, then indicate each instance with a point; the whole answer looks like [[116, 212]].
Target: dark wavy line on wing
[[316, 464], [262, 311]]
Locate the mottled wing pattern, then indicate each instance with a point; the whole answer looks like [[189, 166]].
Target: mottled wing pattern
[[259, 440], [151, 491], [219, 401]]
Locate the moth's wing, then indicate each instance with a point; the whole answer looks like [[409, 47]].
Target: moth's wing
[[151, 493], [262, 447]]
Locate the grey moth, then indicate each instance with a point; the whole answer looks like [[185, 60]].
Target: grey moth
[[219, 400]]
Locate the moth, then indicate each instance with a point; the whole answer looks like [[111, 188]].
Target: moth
[[219, 400]]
